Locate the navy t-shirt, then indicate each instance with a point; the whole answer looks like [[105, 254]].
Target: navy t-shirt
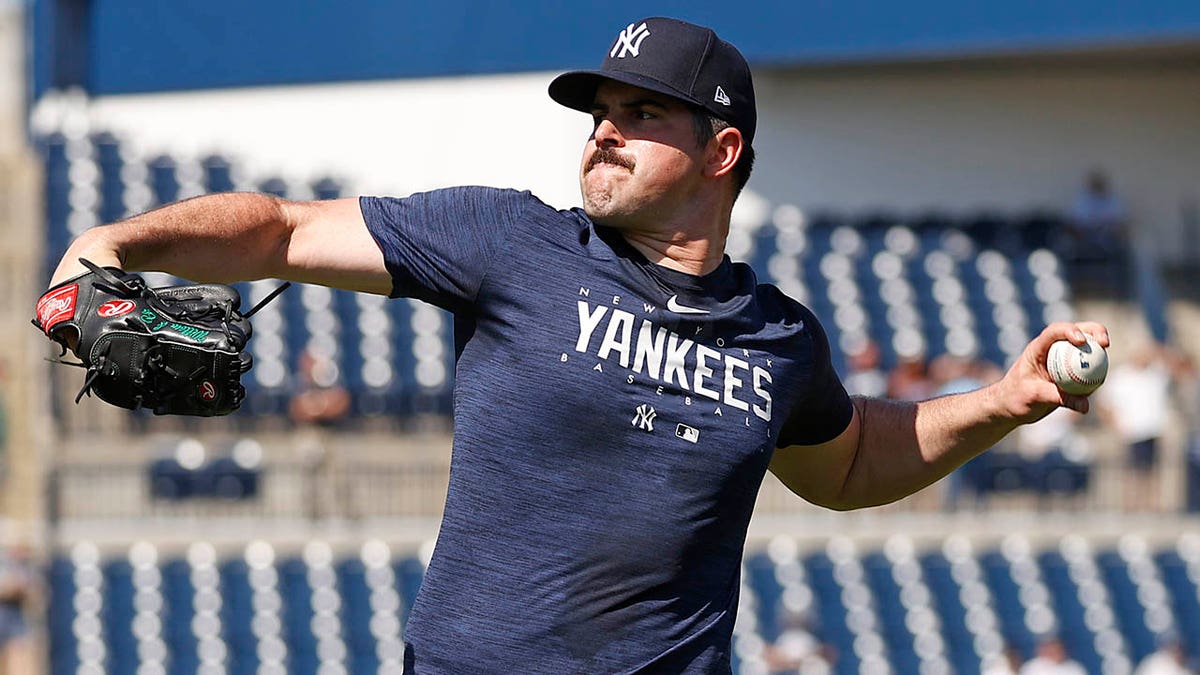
[[613, 422]]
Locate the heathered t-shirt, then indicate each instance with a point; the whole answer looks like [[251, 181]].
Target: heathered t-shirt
[[613, 420]]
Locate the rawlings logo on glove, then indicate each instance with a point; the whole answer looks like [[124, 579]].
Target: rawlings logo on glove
[[176, 350]]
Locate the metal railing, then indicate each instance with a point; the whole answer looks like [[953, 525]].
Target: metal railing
[[350, 489], [123, 490]]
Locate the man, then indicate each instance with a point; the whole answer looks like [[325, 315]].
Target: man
[[621, 388], [1099, 237], [1052, 659], [1137, 406]]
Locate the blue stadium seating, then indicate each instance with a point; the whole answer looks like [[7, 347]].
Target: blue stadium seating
[[900, 640], [1009, 609], [237, 613], [356, 616], [179, 610], [1079, 638], [948, 604], [761, 577], [833, 628], [1183, 587], [61, 613], [297, 616], [1129, 610], [118, 618], [102, 600]]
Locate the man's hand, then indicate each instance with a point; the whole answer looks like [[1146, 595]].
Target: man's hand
[[177, 350], [1027, 392]]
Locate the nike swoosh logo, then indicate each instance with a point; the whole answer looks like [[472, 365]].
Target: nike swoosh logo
[[674, 306]]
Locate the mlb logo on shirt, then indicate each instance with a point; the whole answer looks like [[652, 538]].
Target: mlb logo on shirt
[[689, 434]]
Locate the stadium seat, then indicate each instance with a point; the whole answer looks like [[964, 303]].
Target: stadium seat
[[178, 613], [1074, 630], [1180, 568], [1010, 610], [237, 614], [61, 615], [117, 617], [1131, 614]]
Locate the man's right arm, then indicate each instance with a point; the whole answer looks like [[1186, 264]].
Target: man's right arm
[[238, 237]]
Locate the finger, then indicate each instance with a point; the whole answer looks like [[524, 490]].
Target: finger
[[1079, 404], [1096, 330], [1076, 333]]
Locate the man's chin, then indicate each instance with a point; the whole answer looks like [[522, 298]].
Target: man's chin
[[607, 217]]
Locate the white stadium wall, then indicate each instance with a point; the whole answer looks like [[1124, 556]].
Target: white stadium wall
[[969, 137], [380, 137], [955, 137]]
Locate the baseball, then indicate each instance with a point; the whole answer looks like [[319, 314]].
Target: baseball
[[1077, 370]]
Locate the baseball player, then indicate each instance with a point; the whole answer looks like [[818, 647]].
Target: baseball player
[[622, 387]]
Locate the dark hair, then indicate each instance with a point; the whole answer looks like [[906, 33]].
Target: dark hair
[[707, 125]]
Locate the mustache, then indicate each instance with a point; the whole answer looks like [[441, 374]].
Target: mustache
[[609, 156]]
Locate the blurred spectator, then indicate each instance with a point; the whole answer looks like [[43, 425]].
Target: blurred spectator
[[3, 423], [319, 399], [1052, 659], [909, 379], [1187, 387], [1098, 224], [1060, 458], [866, 377], [19, 590], [1099, 233], [797, 650], [1135, 402], [1008, 663], [952, 374], [1169, 659], [319, 402], [1054, 432]]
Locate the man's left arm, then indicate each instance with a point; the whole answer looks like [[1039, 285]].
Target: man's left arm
[[892, 449]]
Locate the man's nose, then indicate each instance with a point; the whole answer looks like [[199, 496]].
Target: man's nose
[[607, 134]]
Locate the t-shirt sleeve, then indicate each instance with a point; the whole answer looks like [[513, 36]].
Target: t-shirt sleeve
[[439, 245], [826, 410]]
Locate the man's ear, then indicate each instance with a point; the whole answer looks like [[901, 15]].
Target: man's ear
[[723, 152]]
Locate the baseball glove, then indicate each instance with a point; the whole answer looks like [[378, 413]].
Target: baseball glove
[[175, 350]]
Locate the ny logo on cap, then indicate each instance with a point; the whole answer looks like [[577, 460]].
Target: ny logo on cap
[[629, 41]]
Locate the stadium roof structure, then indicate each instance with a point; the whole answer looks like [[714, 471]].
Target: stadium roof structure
[[129, 46]]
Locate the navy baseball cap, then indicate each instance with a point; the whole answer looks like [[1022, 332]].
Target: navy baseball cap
[[675, 58]]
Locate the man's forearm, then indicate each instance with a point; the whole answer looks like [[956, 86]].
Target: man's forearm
[[221, 237], [907, 446]]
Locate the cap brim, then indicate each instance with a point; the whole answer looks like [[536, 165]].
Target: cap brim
[[577, 89]]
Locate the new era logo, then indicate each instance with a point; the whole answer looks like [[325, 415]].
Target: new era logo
[[629, 41], [721, 97]]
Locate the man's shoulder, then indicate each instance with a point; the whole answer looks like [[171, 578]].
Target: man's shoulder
[[774, 301], [525, 203]]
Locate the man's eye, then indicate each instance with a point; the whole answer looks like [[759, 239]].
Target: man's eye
[[645, 115]]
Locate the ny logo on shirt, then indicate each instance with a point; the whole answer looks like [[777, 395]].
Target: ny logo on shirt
[[629, 41], [644, 419]]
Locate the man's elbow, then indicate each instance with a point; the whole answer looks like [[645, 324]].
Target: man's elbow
[[844, 502], [834, 498], [844, 497]]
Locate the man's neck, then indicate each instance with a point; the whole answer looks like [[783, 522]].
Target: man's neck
[[695, 256], [691, 242]]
